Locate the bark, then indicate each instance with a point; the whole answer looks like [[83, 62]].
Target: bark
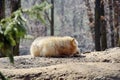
[[116, 4], [15, 5], [97, 25], [2, 9], [91, 19], [52, 18], [2, 15], [103, 27], [111, 22]]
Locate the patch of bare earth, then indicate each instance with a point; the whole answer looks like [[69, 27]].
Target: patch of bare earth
[[103, 65]]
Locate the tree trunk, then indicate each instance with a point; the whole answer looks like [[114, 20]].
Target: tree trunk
[[103, 27], [2, 9], [2, 15], [111, 22], [15, 5], [91, 18], [52, 18], [97, 25], [116, 5]]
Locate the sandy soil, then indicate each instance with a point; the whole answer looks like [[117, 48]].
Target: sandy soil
[[103, 65]]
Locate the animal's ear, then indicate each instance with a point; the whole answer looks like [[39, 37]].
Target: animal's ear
[[73, 41]]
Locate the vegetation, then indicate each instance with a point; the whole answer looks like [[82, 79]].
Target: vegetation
[[15, 5], [13, 28], [3, 77]]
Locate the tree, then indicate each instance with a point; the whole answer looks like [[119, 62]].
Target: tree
[[91, 18], [52, 18], [15, 5], [103, 27], [2, 9], [97, 25], [116, 4], [2, 15], [111, 22]]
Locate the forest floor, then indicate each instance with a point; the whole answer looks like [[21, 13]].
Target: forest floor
[[104, 65]]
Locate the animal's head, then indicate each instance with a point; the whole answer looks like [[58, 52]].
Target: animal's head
[[74, 42]]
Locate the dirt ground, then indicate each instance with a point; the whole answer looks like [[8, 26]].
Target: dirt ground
[[104, 65]]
